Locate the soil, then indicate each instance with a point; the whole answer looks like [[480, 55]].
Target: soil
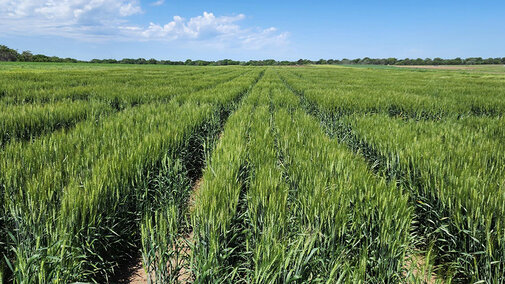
[[417, 264], [130, 272], [195, 190], [139, 275], [136, 273]]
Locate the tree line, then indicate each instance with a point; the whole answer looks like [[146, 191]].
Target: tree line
[[8, 54]]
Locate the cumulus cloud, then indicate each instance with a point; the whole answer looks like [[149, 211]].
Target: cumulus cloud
[[109, 20], [158, 3], [68, 11], [83, 19], [200, 27], [211, 30]]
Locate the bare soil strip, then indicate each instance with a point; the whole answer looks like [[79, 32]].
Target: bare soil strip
[[194, 192], [416, 264], [139, 275], [131, 272], [185, 272]]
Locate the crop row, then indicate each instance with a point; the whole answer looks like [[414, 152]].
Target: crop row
[[456, 170], [74, 201], [398, 92], [24, 122], [27, 121], [281, 202], [122, 87], [453, 169]]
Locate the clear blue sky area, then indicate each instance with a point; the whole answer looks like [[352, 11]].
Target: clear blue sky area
[[243, 30]]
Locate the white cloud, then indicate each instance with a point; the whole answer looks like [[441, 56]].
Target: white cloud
[[158, 3], [200, 27], [68, 11], [208, 29], [108, 20], [71, 18]]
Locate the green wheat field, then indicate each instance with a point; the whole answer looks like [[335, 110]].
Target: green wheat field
[[234, 174]]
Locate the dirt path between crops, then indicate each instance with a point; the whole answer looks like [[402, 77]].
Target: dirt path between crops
[[440, 67], [416, 264], [185, 273], [139, 275], [137, 272]]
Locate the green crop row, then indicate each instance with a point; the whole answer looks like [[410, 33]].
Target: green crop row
[[74, 200], [281, 202], [217, 201], [165, 227], [456, 170], [398, 92], [24, 122], [126, 86], [359, 225], [453, 167], [312, 175], [65, 195]]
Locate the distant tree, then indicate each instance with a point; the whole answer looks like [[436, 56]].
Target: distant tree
[[269, 62], [227, 62], [474, 60], [455, 61], [418, 61], [391, 61], [140, 61], [127, 61], [70, 60], [7, 54], [40, 58], [26, 56], [438, 61]]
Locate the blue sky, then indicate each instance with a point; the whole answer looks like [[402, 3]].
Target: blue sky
[[243, 30]]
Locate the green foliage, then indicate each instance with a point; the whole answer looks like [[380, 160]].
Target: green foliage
[[445, 148], [308, 175], [7, 54], [27, 121], [70, 196], [284, 210], [399, 93], [457, 174]]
